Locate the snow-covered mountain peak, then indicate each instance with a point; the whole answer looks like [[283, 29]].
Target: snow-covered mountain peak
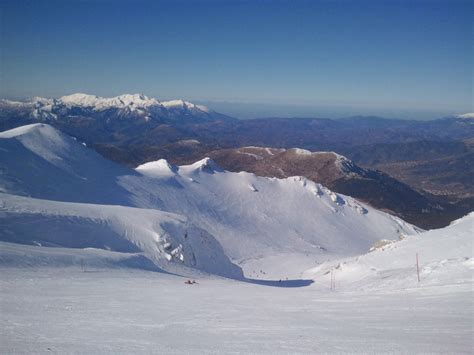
[[469, 115], [174, 103], [206, 165], [181, 104], [79, 99], [100, 103], [159, 167], [42, 100], [344, 164], [41, 138], [19, 131]]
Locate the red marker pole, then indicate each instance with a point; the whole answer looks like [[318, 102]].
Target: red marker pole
[[417, 267]]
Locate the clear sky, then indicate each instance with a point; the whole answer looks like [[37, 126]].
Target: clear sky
[[247, 58]]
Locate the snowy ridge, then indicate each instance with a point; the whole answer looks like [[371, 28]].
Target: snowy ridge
[[181, 104], [132, 102]]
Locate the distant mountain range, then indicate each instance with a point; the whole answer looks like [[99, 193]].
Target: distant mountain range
[[139, 120], [432, 159], [98, 120], [129, 105]]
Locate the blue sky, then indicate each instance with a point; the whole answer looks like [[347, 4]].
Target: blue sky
[[247, 58]]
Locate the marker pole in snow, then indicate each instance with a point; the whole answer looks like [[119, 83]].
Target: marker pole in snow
[[417, 267]]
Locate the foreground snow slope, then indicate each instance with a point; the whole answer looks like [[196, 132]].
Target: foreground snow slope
[[271, 227], [119, 311], [445, 257]]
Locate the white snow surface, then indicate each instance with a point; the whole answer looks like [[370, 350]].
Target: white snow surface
[[181, 104], [257, 219], [112, 311], [100, 103], [444, 258], [165, 239], [469, 115], [157, 168]]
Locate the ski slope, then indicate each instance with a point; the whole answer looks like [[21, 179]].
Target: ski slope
[[52, 310]]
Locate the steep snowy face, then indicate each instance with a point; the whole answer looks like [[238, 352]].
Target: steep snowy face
[[295, 201], [261, 220]]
